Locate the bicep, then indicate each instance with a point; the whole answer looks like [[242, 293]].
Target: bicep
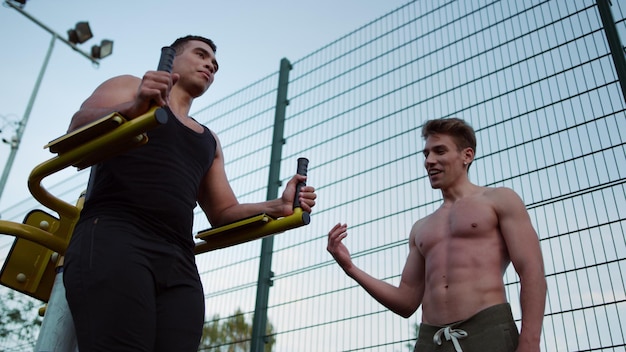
[[113, 92], [518, 232], [111, 96]]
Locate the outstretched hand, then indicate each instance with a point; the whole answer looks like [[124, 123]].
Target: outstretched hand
[[336, 248]]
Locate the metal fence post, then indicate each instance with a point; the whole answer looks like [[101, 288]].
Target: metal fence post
[[259, 323], [615, 44]]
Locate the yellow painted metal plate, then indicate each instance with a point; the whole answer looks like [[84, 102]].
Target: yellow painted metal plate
[[85, 134], [249, 229], [30, 268], [246, 223]]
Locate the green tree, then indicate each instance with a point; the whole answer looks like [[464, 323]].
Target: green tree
[[19, 321], [231, 334]]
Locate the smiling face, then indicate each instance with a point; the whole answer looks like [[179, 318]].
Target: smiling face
[[196, 65], [445, 162]]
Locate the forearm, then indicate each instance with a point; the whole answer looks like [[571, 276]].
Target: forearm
[[397, 299], [532, 300], [274, 208]]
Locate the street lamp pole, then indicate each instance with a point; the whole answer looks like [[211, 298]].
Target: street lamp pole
[[15, 142]]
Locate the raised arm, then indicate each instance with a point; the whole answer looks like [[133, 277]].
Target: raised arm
[[403, 299], [525, 253], [130, 96]]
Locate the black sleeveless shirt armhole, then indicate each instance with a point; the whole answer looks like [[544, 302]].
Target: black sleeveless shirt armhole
[[155, 185]]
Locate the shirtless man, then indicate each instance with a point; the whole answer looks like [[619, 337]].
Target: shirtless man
[[458, 256]]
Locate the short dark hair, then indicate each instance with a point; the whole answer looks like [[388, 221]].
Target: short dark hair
[[461, 132], [179, 43]]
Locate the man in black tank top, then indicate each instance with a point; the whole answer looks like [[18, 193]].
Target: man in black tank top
[[130, 273]]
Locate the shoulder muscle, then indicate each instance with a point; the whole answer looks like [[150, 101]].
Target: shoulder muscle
[[113, 91]]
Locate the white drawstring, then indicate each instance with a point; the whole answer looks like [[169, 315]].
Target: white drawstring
[[451, 335]]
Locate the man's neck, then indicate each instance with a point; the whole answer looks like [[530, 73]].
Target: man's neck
[[180, 103], [458, 190]]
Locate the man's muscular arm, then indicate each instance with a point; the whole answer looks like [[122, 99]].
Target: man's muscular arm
[[525, 253], [402, 300], [128, 95], [219, 203]]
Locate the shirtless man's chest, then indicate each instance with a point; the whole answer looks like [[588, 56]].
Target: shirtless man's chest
[[465, 257]]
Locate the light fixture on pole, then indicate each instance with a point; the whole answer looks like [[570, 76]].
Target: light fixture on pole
[[80, 34], [103, 50]]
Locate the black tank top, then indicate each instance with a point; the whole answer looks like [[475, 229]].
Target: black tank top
[[155, 185]]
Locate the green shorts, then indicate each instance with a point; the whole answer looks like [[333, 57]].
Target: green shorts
[[492, 329]]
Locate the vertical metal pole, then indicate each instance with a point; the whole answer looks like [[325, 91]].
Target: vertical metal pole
[[57, 332], [612, 36], [22, 125], [259, 323]]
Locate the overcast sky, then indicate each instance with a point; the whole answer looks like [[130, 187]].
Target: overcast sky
[[251, 37]]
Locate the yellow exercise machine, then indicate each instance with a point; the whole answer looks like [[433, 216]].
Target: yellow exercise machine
[[42, 239]]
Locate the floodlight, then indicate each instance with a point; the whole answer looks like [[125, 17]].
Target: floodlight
[[18, 3], [80, 34], [103, 50]]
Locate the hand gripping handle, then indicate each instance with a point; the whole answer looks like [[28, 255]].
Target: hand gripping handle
[[303, 165], [166, 61]]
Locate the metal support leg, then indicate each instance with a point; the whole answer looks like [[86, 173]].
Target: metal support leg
[[57, 332]]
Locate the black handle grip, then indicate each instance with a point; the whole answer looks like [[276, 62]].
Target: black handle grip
[[303, 165], [167, 59]]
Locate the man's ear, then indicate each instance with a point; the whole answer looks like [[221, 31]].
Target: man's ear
[[468, 155]]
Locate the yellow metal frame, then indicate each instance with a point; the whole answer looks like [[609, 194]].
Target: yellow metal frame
[[42, 239], [249, 229], [30, 267]]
